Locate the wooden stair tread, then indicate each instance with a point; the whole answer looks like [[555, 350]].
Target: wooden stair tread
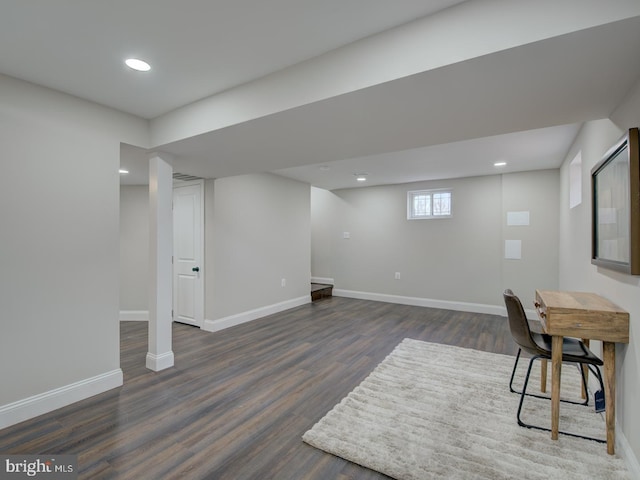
[[320, 290]]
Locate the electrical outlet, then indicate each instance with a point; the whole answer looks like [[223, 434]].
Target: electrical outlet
[[346, 235], [397, 275], [283, 282]]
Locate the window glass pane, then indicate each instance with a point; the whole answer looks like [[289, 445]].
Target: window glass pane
[[442, 203], [425, 204], [421, 205]]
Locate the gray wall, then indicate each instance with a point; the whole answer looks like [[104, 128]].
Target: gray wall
[[209, 247], [459, 259], [134, 245], [538, 193], [577, 273], [257, 232], [325, 209], [260, 234], [59, 238]]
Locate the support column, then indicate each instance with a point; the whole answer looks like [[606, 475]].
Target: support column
[[160, 355]]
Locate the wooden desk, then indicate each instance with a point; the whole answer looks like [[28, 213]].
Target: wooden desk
[[587, 316]]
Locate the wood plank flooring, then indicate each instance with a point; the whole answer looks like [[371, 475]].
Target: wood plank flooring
[[238, 401]]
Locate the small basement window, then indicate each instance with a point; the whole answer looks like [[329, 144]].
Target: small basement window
[[428, 204]]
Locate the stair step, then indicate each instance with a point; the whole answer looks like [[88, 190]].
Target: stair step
[[320, 291]]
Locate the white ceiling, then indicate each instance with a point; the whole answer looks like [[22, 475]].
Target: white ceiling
[[531, 150], [523, 105], [196, 47]]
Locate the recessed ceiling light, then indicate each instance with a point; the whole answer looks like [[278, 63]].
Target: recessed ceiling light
[[137, 64], [361, 177], [499, 164], [123, 171]]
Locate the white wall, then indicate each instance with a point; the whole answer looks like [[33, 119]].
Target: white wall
[[324, 208], [467, 30], [257, 232], [209, 247], [59, 252], [536, 193], [577, 273], [260, 234], [457, 260], [627, 114], [134, 244]]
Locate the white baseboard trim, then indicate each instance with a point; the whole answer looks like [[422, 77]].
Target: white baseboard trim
[[624, 450], [134, 315], [237, 319], [160, 362], [323, 280], [424, 302], [35, 405], [531, 314]]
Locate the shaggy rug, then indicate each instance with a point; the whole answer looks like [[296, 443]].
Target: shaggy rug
[[437, 411]]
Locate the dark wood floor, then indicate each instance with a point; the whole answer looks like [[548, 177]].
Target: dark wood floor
[[238, 401]]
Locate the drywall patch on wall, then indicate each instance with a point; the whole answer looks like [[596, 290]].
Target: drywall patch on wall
[[518, 219], [513, 249]]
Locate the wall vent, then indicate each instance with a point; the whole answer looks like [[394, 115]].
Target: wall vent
[[184, 177]]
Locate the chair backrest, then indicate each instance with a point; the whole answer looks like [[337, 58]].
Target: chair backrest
[[518, 323]]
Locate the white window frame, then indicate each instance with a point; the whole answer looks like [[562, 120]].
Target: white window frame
[[411, 214]]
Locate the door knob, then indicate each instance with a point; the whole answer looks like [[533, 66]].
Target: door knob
[[195, 269]]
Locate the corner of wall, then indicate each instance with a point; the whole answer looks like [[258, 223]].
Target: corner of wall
[[627, 114]]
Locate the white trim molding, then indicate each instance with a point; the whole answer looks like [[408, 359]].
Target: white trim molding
[[531, 314], [323, 280], [429, 302], [239, 318], [35, 405], [134, 315], [159, 362], [624, 450]]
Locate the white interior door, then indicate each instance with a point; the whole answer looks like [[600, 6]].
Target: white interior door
[[188, 253]]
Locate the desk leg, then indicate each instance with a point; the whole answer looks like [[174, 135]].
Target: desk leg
[[609, 353], [556, 365]]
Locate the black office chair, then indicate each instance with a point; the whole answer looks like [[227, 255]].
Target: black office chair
[[538, 345]]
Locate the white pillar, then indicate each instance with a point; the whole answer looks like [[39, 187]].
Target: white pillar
[[160, 355]]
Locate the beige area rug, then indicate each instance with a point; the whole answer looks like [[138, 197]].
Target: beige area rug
[[436, 411]]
